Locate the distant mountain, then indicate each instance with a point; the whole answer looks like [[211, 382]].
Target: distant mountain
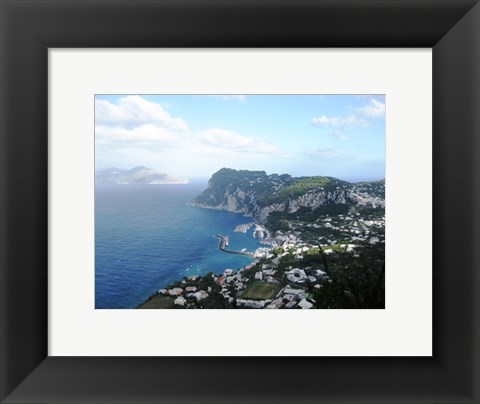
[[257, 194], [137, 175]]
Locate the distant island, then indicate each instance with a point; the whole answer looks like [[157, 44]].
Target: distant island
[[324, 245], [137, 175]]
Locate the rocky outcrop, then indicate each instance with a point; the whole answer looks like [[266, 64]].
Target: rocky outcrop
[[252, 195], [312, 200], [244, 202]]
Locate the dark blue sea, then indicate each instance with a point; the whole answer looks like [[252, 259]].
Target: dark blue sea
[[146, 237]]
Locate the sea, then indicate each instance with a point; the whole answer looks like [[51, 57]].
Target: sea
[[148, 236]]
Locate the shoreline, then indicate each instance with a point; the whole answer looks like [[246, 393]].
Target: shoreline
[[256, 256], [201, 206], [288, 273]]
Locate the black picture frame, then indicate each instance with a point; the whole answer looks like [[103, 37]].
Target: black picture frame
[[29, 28]]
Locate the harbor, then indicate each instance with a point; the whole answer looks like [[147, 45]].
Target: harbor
[[223, 244]]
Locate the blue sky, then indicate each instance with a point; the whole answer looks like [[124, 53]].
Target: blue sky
[[195, 135]]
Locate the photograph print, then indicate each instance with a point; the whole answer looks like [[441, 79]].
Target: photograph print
[[240, 201]]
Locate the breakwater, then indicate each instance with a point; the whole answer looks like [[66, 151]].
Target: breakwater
[[223, 243]]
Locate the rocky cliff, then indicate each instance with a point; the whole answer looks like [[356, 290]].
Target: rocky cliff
[[257, 194]]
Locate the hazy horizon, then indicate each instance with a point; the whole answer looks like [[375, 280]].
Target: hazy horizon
[[197, 178]]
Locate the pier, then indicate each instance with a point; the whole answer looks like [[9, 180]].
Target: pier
[[223, 243]]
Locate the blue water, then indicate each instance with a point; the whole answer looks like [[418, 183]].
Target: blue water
[[146, 237]]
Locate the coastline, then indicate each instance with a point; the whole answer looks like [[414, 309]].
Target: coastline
[[187, 286], [201, 206], [290, 273], [174, 240], [305, 262], [262, 284]]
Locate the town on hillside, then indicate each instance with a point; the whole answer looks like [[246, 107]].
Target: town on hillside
[[323, 246]]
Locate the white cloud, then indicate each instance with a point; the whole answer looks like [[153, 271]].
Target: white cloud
[[359, 118], [233, 141], [337, 122], [373, 109], [147, 134], [134, 110], [228, 97], [133, 131]]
